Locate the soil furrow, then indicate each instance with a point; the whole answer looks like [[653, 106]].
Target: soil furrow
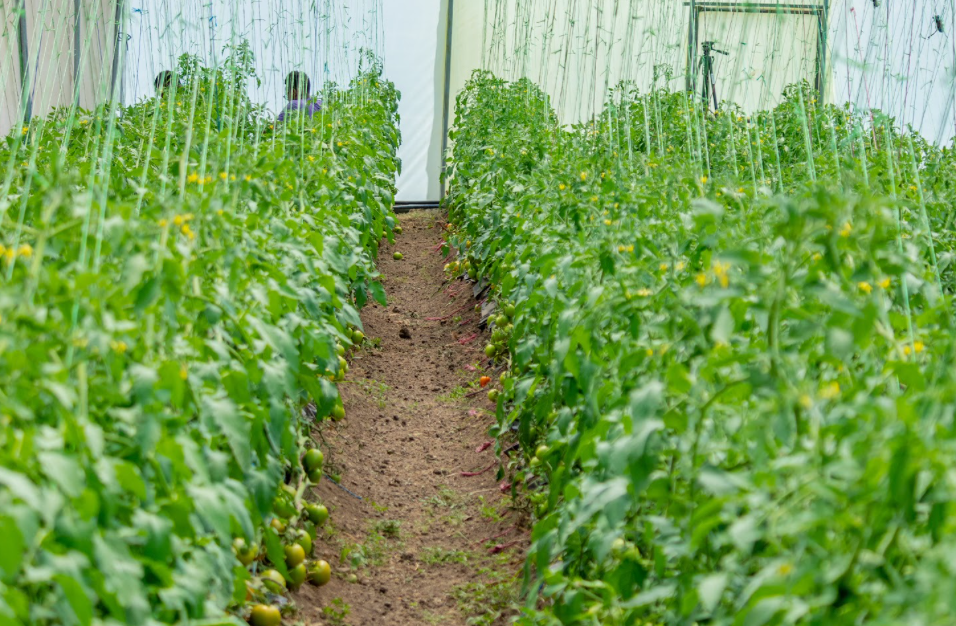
[[411, 550]]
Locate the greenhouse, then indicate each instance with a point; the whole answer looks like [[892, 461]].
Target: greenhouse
[[477, 312]]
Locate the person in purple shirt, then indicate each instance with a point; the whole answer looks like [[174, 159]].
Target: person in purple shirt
[[298, 89]]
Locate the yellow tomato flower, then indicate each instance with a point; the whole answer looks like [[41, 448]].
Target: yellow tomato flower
[[620, 248], [644, 292], [630, 248], [785, 569], [846, 230], [183, 372], [649, 352], [865, 287], [885, 283], [311, 159], [340, 144], [663, 267], [562, 187], [118, 346], [26, 251], [193, 178], [806, 402], [830, 391], [680, 266], [701, 279], [721, 272], [162, 223], [223, 175], [607, 222], [248, 178], [584, 176], [703, 180]]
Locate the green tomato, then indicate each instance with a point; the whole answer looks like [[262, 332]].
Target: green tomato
[[297, 576], [313, 460], [318, 513], [273, 581], [244, 552], [398, 256], [542, 451], [284, 508], [338, 412], [493, 395], [294, 555], [358, 336], [320, 573], [305, 540], [490, 350]]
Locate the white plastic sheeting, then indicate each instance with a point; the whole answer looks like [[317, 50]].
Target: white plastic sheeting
[[49, 28], [886, 58], [322, 38], [415, 35], [765, 53], [891, 58], [10, 90]]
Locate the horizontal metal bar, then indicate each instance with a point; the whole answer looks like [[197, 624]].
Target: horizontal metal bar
[[791, 9]]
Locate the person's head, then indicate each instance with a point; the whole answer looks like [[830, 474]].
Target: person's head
[[298, 86], [164, 81]]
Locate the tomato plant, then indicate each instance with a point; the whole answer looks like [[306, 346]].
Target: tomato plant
[[176, 279], [731, 355]]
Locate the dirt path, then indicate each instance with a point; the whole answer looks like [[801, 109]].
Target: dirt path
[[411, 551]]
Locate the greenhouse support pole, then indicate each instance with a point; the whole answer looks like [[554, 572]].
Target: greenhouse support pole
[[76, 51], [446, 109], [692, 47], [23, 36], [117, 42]]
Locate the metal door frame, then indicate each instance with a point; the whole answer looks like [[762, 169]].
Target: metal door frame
[[820, 11]]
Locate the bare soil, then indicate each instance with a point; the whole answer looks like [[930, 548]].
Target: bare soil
[[416, 541]]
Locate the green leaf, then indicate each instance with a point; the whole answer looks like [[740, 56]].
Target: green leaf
[[378, 292], [14, 547], [709, 590], [77, 598], [274, 550], [221, 411]]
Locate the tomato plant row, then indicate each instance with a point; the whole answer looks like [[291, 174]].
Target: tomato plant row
[[177, 280], [730, 361]]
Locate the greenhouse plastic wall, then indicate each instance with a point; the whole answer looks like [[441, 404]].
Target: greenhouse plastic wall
[[578, 49], [9, 67], [51, 61], [323, 39]]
